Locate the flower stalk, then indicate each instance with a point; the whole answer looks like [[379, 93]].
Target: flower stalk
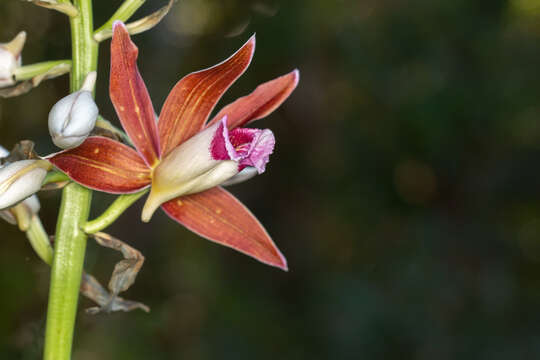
[[39, 240], [123, 13], [70, 239], [112, 213], [28, 72], [126, 10]]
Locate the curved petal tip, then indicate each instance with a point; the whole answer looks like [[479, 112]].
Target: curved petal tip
[[117, 23]]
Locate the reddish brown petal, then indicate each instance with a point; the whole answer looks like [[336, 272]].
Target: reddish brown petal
[[130, 96], [192, 99], [260, 103], [105, 165], [217, 215]]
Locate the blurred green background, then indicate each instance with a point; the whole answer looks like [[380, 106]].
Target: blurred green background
[[404, 189]]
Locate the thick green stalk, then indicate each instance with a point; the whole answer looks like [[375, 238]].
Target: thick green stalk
[[68, 259], [84, 47], [70, 240]]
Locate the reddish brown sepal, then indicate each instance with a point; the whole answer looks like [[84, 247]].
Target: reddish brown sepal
[[218, 216], [103, 164], [192, 99], [130, 97], [260, 103]]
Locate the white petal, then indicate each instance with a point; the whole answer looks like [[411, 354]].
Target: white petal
[[162, 192], [189, 160], [188, 169], [223, 171], [8, 216], [33, 204], [246, 174]]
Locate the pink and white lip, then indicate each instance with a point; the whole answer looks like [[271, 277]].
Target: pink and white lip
[[246, 146], [208, 159]]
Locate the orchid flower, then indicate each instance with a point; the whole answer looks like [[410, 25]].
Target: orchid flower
[[182, 156]]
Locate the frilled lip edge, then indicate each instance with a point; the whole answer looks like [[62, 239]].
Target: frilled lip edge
[[246, 146]]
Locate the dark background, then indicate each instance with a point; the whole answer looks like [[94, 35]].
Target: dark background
[[404, 189]]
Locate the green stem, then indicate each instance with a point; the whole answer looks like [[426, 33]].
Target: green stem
[[68, 259], [85, 48], [110, 215], [27, 72], [70, 240]]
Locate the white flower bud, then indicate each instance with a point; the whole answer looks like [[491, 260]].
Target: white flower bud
[[7, 215], [30, 206], [73, 117], [21, 179], [10, 59]]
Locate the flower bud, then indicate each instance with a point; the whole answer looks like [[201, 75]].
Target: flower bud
[[10, 59], [21, 213], [20, 179], [6, 214], [73, 117]]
